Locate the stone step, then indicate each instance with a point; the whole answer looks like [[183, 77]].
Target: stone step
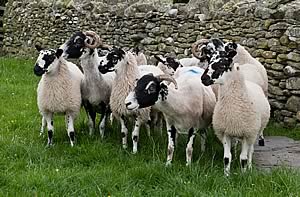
[[278, 151]]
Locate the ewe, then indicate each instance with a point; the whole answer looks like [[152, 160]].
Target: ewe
[[242, 110], [254, 69], [58, 90], [251, 68]]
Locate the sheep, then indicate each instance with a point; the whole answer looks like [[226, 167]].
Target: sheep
[[96, 87], [252, 69], [127, 71], [242, 110], [58, 90], [182, 112]]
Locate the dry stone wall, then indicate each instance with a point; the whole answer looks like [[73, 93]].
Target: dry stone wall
[[270, 30]]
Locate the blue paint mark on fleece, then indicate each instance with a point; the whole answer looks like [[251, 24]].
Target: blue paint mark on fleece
[[194, 71]]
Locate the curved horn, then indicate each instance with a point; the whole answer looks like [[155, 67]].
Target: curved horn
[[196, 45], [97, 39], [167, 78]]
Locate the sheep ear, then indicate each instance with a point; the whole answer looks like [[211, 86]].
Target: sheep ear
[[231, 53], [38, 48], [122, 51], [59, 52], [159, 59], [234, 45]]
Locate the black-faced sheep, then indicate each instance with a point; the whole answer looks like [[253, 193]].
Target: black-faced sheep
[[242, 110], [127, 72], [251, 68], [182, 113], [96, 87], [58, 90]]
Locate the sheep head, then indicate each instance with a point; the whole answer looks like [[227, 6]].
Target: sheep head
[[149, 89], [221, 62], [47, 60]]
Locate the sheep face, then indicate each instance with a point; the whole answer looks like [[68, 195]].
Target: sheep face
[[74, 47], [220, 63], [47, 61], [110, 60], [147, 92], [168, 65]]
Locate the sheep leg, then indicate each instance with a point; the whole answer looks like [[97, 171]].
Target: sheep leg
[[44, 122], [135, 134], [171, 143], [124, 132], [49, 119], [244, 155], [227, 154], [111, 118], [148, 128], [70, 128], [203, 136], [160, 124], [102, 121], [261, 139], [250, 154], [91, 113], [189, 147]]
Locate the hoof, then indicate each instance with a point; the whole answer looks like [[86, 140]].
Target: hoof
[[124, 146], [261, 142], [134, 152], [49, 145], [168, 164]]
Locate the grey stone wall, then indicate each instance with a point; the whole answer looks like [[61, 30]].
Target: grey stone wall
[[270, 30]]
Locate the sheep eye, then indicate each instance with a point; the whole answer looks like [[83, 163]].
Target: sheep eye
[[151, 90]]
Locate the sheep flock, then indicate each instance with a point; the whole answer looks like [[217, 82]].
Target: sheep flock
[[221, 86]]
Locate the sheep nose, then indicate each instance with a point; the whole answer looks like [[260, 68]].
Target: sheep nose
[[127, 104]]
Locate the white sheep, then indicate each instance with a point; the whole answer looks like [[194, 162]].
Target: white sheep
[[187, 106], [252, 69], [96, 87], [127, 72], [58, 90], [242, 110]]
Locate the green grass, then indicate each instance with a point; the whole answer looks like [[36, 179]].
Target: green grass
[[96, 167]]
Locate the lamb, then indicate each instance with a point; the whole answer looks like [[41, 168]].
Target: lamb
[[252, 69], [242, 110], [58, 90], [96, 87], [127, 72], [182, 112]]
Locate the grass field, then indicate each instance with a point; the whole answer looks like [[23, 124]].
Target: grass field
[[96, 167]]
